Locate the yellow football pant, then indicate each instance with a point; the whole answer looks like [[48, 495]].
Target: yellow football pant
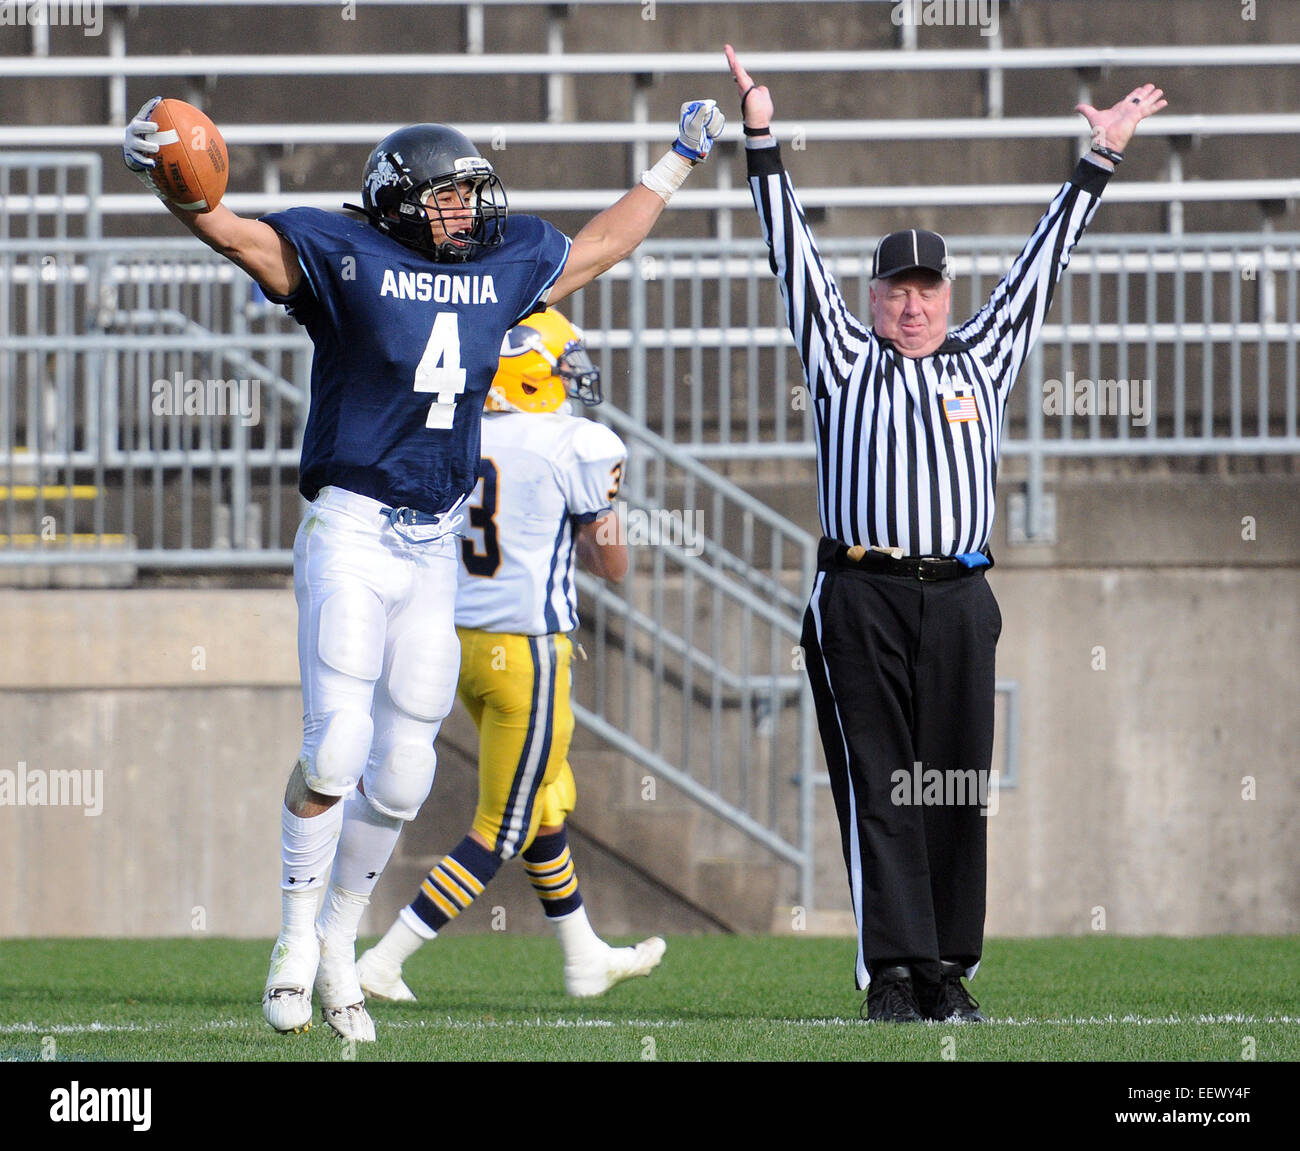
[[516, 689]]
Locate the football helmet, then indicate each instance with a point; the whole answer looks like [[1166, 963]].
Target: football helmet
[[403, 176], [543, 362]]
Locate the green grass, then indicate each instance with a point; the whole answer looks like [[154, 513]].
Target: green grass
[[500, 998]]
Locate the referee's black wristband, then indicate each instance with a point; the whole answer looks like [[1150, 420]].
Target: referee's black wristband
[[756, 131], [1108, 153]]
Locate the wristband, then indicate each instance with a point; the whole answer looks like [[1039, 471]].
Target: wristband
[[767, 131], [1108, 153], [667, 175]]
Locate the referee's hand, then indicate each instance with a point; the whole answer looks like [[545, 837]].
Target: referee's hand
[[755, 100], [1114, 127]]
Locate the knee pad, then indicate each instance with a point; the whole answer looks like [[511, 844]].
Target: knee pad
[[351, 636], [422, 677], [400, 784], [336, 762]]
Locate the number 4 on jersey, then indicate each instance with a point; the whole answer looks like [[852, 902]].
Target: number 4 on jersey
[[439, 371]]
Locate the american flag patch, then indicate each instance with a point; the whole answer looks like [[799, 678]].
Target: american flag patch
[[960, 408]]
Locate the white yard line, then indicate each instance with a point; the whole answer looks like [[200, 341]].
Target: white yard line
[[448, 1024]]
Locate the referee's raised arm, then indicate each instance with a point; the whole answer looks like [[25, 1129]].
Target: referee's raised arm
[[1008, 325], [829, 337]]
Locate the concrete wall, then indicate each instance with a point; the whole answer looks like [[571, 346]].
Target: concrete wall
[[1158, 785], [1159, 752]]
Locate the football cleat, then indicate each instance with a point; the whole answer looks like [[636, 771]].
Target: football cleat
[[286, 1001], [596, 973], [343, 1005], [351, 1022], [381, 980], [287, 1009]]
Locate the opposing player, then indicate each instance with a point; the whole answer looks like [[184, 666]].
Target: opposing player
[[407, 308], [549, 481]]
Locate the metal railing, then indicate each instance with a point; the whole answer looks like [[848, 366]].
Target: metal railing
[[151, 403], [1084, 57], [499, 134], [1170, 307], [1155, 346], [698, 674]]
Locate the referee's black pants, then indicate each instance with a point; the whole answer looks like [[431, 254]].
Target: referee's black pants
[[902, 674]]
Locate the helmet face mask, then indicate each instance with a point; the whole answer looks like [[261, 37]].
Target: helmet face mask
[[428, 188], [544, 362]]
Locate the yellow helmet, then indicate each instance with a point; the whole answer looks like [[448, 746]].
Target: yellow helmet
[[543, 362]]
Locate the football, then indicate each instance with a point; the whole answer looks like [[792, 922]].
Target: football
[[192, 163]]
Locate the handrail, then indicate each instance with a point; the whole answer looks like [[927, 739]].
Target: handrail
[[711, 199], [538, 132], [643, 63]]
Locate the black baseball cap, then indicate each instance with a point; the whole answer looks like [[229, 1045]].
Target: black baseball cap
[[908, 250]]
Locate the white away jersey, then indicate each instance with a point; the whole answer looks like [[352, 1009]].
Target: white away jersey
[[542, 476]]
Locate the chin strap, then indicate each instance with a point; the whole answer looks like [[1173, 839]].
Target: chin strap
[[373, 217]]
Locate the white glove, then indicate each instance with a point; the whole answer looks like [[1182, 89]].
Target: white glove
[[701, 123], [139, 147]]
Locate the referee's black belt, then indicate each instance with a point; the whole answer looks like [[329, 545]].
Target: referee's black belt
[[833, 554]]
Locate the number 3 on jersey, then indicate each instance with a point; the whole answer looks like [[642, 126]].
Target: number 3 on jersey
[[439, 371], [482, 517]]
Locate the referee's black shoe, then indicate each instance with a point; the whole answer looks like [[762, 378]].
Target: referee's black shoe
[[891, 998], [948, 1001]]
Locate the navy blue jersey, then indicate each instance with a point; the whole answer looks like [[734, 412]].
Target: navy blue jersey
[[405, 351]]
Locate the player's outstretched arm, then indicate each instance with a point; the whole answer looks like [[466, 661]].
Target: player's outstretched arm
[[618, 230], [607, 238], [601, 551], [256, 247]]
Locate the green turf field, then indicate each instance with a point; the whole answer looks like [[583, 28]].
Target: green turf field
[[500, 998]]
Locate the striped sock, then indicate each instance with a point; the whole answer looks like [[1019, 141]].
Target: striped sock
[[550, 870], [454, 883]]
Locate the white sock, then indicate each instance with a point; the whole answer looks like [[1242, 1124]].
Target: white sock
[[576, 935], [366, 844], [297, 913], [307, 848], [401, 941], [340, 914]]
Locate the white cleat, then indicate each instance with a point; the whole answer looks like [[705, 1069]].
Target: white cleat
[[286, 1001], [342, 1002], [596, 973], [351, 1022], [382, 980]]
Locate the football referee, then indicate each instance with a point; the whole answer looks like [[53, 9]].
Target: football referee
[[901, 627]]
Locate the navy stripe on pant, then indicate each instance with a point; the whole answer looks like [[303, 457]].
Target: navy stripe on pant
[[902, 674]]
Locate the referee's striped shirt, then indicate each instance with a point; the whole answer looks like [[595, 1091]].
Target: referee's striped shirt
[[896, 466]]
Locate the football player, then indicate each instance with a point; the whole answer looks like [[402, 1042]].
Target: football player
[[407, 307], [549, 480]]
